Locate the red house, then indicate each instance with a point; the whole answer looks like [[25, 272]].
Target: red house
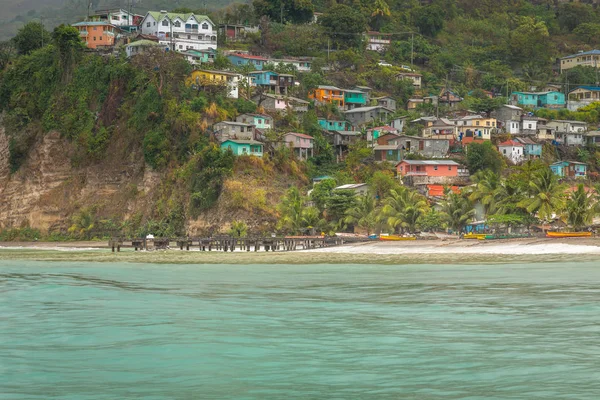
[[427, 168]]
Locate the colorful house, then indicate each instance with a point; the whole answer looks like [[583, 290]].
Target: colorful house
[[238, 59], [278, 102], [569, 169], [538, 99], [196, 57], [206, 78], [445, 168], [532, 149], [97, 34], [377, 41], [354, 98], [142, 46], [411, 76], [387, 152], [480, 127], [328, 94], [243, 147], [260, 121], [512, 150], [301, 144], [365, 115], [332, 125], [272, 81], [225, 130], [180, 31]]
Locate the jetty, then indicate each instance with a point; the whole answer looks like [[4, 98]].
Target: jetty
[[228, 243]]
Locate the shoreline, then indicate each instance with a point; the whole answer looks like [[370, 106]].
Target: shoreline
[[529, 250]]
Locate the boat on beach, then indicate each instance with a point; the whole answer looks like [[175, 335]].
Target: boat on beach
[[395, 238], [476, 236], [568, 234]]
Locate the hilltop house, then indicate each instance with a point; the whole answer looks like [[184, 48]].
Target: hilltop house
[[364, 115], [377, 132], [583, 96], [142, 46], [481, 127], [181, 31], [509, 118], [260, 121], [328, 94], [386, 102], [301, 144], [243, 147], [538, 99], [209, 80], [277, 102], [449, 98], [98, 34], [124, 19], [531, 149], [587, 58], [226, 130], [593, 138], [302, 64], [411, 76], [426, 147], [512, 150], [441, 128], [239, 59], [569, 169], [354, 99], [332, 125], [341, 140], [366, 90], [196, 57], [570, 133], [272, 81], [359, 189], [429, 168], [377, 41]]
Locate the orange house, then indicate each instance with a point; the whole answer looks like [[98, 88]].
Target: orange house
[[97, 33], [328, 94], [427, 168]]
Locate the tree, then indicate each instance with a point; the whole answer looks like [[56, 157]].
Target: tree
[[83, 223], [571, 15], [30, 37], [457, 211], [487, 190], [529, 40], [165, 69], [70, 47], [580, 208], [238, 229], [322, 192], [7, 51], [363, 214], [344, 25], [547, 196], [338, 204], [291, 208], [481, 103], [482, 156], [589, 32], [294, 11], [429, 19], [431, 221], [379, 13], [403, 209]]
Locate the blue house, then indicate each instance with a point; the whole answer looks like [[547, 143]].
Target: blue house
[[243, 147], [354, 98], [332, 125], [538, 99], [531, 149], [239, 59], [569, 169]]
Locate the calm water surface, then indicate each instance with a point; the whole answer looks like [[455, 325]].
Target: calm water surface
[[125, 331]]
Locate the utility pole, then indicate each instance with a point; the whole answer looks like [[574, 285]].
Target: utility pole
[[412, 50], [42, 29], [328, 50]]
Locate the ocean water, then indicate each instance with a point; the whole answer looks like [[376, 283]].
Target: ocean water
[[131, 331]]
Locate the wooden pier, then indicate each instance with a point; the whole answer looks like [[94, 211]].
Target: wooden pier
[[227, 243]]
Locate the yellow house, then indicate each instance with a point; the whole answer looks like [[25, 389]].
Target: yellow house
[[482, 126], [204, 78]]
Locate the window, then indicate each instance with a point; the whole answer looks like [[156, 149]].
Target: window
[[100, 38], [154, 23], [181, 46], [199, 37], [241, 129], [504, 151], [165, 22], [477, 123], [115, 17], [205, 26], [94, 38], [189, 36], [435, 167], [177, 24], [449, 167], [94, 28]]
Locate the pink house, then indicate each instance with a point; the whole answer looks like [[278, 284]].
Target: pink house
[[301, 144], [427, 168]]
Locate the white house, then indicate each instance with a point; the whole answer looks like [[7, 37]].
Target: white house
[[180, 31], [512, 150], [141, 46]]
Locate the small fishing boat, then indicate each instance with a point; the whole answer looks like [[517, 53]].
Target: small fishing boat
[[568, 234], [394, 238], [476, 236]]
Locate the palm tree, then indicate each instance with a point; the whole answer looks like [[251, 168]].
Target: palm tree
[[311, 219], [488, 187], [380, 10], [403, 208], [547, 195], [83, 223], [364, 213], [458, 211], [291, 209], [579, 208]]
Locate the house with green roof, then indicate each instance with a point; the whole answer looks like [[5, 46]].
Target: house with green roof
[[141, 46], [181, 31]]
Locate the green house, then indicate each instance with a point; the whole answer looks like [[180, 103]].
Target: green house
[[243, 147], [538, 99], [355, 98]]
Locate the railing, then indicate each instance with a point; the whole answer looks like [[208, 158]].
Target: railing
[[416, 173], [83, 33]]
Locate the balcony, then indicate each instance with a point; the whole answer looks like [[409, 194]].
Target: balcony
[[415, 173], [83, 33]]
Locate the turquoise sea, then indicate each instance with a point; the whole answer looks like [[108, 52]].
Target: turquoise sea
[[132, 331]]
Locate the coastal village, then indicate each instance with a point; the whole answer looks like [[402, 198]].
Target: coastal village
[[434, 142]]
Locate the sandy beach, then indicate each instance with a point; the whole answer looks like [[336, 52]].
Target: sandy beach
[[403, 252]]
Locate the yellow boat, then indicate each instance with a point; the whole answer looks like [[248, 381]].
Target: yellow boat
[[477, 236], [568, 234], [394, 238]]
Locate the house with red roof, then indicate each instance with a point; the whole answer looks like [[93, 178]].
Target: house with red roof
[[512, 150], [302, 145]]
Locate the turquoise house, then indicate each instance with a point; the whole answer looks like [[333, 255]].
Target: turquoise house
[[531, 149], [538, 99], [332, 125], [200, 56], [263, 78], [243, 147], [260, 121], [238, 59], [355, 98], [569, 169]]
